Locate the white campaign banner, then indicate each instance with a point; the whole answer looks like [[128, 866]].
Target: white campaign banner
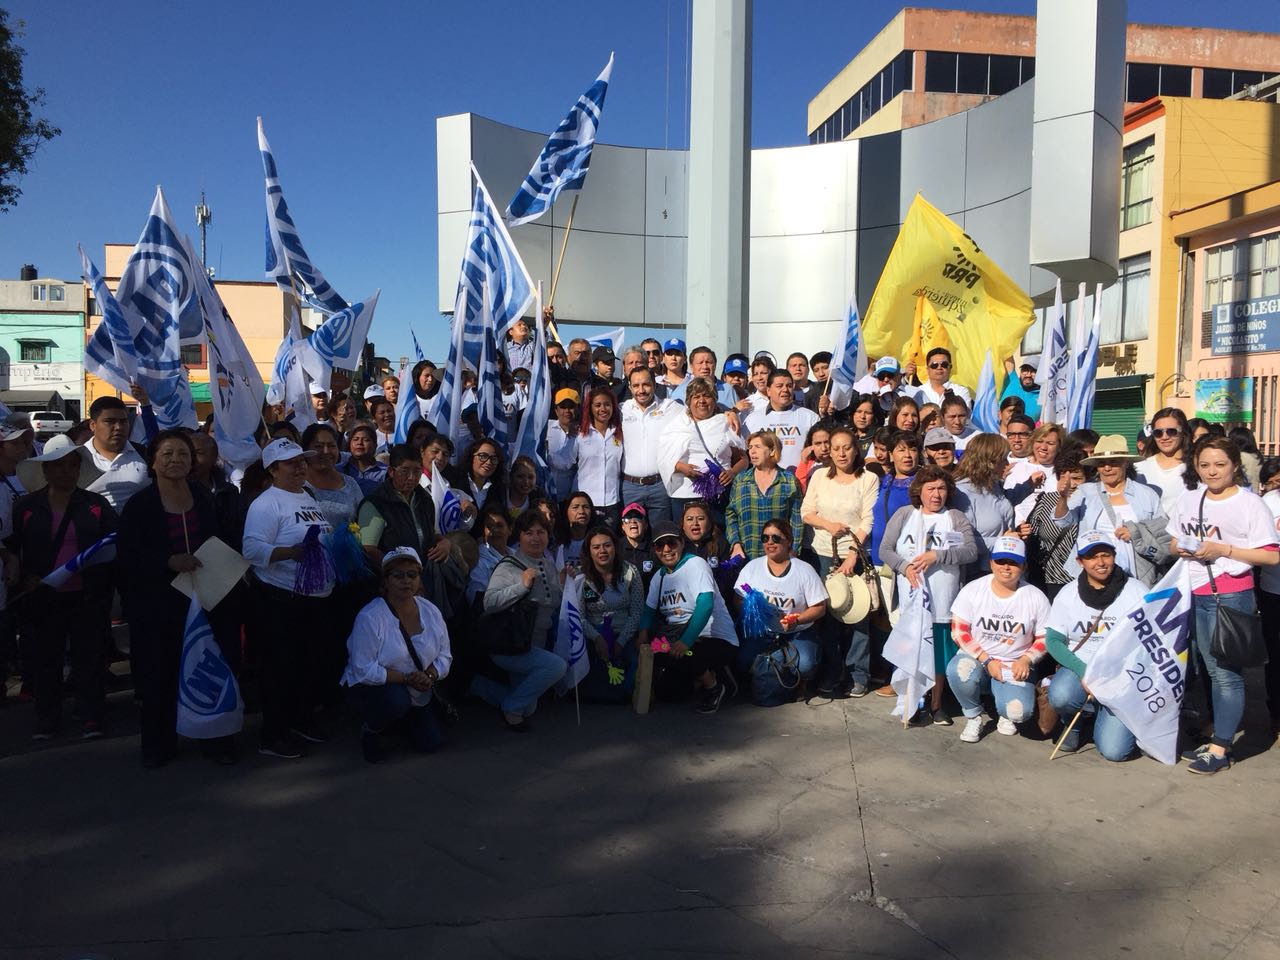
[[910, 649], [1139, 671]]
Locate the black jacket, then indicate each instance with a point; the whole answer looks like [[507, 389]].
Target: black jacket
[[401, 531], [459, 479], [143, 549]]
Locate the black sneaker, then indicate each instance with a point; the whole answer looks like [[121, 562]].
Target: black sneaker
[[1193, 753], [1071, 742], [371, 747], [286, 748], [942, 719], [729, 681], [711, 699], [921, 718], [859, 690], [310, 732], [91, 730], [1209, 763]]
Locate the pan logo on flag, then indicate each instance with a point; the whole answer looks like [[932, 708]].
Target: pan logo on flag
[[205, 683], [451, 512]]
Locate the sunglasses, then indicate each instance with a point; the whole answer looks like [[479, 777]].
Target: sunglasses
[[885, 376], [772, 538], [654, 353], [668, 544], [940, 365], [634, 518], [1162, 433]]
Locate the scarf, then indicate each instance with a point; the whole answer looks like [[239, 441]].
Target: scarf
[[1101, 599]]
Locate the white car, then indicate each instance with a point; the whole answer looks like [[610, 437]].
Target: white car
[[49, 423]]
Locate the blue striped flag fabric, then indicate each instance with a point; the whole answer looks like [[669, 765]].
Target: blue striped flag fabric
[[1054, 373], [564, 160], [848, 360], [103, 551], [494, 290], [339, 340], [1084, 383], [287, 261], [417, 349], [986, 407], [531, 441]]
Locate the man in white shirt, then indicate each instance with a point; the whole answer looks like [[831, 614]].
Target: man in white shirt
[[124, 472], [938, 382], [789, 423], [761, 369], [702, 363], [644, 418]]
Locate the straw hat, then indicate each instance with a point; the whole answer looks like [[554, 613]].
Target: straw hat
[[31, 471], [848, 598], [1111, 447]]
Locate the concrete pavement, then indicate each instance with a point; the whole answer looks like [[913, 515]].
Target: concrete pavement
[[815, 830]]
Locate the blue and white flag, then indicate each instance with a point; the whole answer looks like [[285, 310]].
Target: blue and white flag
[[448, 504], [910, 649], [848, 359], [494, 289], [339, 341], [290, 384], [104, 551], [1054, 372], [564, 160], [407, 408], [571, 642], [1084, 383], [287, 261], [155, 305], [235, 386], [417, 349], [280, 368], [209, 703], [1139, 671], [531, 441], [986, 408]]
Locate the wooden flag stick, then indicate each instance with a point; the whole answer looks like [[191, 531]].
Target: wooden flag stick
[[568, 228], [577, 705], [1058, 746]]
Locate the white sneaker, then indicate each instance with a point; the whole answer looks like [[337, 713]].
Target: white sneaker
[[1007, 727], [972, 731]]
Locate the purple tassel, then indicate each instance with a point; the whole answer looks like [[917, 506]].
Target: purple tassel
[[707, 485], [610, 638], [760, 618], [315, 569]]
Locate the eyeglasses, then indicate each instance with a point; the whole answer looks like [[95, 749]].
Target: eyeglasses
[[486, 458], [772, 538], [1017, 434], [940, 365], [403, 574], [407, 472], [653, 353], [1162, 433]]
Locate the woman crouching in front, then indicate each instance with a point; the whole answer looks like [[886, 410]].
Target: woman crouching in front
[[397, 652]]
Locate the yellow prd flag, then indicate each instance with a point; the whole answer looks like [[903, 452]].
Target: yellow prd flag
[[928, 332], [978, 306]]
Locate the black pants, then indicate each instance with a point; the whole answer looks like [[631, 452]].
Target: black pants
[[674, 677], [49, 620], [384, 706], [1269, 608], [294, 634]]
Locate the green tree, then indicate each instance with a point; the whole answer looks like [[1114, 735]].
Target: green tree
[[21, 132]]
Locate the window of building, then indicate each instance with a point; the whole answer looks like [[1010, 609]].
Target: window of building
[[896, 77], [193, 355], [1263, 263], [1028, 65], [939, 72], [1219, 84], [1175, 81], [1245, 270], [1135, 183], [1143, 82], [1125, 303], [971, 72], [39, 291], [1004, 74], [1220, 284], [34, 351]]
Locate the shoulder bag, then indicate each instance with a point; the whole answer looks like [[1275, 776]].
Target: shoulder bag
[[509, 631], [1237, 635]]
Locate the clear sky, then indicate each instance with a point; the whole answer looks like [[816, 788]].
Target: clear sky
[[149, 93]]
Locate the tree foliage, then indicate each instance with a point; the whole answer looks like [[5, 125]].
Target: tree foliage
[[21, 132]]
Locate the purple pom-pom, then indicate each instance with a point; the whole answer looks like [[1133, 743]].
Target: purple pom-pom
[[707, 484], [315, 569]]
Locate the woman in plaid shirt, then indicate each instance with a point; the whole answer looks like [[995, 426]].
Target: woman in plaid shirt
[[760, 494]]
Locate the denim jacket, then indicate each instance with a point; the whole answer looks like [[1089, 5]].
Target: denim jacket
[[1150, 539]]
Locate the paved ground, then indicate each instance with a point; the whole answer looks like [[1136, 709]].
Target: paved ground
[[808, 830]]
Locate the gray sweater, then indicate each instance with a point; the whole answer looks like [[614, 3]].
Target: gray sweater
[[967, 552]]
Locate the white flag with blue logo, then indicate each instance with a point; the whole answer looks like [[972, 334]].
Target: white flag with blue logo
[[986, 408], [287, 261], [531, 441], [848, 359], [1084, 383], [143, 323], [103, 551], [209, 703], [910, 649], [1054, 372], [339, 341], [566, 156], [235, 386], [494, 289], [448, 504], [571, 642], [290, 384]]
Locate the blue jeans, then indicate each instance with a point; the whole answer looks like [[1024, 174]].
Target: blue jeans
[[807, 651], [382, 705], [969, 680], [1110, 736], [531, 675], [653, 497], [841, 643], [1226, 686]]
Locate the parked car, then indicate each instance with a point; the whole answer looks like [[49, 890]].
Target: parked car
[[49, 423]]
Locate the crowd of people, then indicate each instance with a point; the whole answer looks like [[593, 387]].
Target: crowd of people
[[724, 519]]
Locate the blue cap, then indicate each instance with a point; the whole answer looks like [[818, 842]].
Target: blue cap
[[887, 365], [735, 366], [1011, 549], [675, 343]]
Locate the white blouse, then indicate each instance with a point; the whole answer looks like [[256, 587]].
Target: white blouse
[[377, 644]]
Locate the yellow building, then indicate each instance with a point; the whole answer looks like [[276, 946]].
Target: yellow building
[[259, 309]]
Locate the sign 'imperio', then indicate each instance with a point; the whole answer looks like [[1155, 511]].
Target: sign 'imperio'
[[1246, 326]]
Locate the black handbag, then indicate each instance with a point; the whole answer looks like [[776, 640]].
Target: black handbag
[[1237, 636], [509, 631]]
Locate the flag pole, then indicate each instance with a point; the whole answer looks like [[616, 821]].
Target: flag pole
[[1058, 746], [555, 278], [577, 706]]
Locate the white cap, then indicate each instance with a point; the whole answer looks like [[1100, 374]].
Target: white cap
[[374, 391], [317, 390], [281, 449], [1096, 539], [1009, 548], [400, 553]]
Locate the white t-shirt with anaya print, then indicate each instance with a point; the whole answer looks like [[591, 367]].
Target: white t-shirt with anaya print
[[673, 594], [1003, 627], [1241, 520], [795, 591]]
